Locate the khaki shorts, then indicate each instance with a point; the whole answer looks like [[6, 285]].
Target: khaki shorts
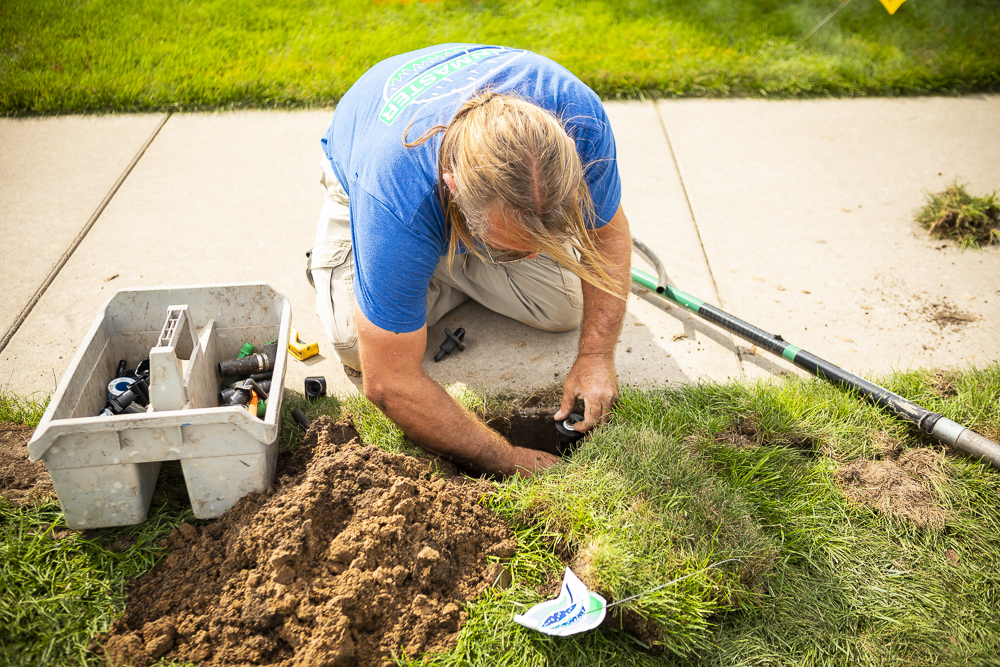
[[538, 292]]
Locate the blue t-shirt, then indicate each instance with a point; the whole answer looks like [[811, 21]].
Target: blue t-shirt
[[397, 225]]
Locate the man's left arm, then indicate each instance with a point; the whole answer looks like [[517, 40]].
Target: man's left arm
[[593, 376]]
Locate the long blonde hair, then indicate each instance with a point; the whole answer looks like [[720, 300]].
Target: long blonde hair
[[514, 158]]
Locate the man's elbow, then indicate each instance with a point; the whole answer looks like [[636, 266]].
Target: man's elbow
[[376, 392], [384, 393]]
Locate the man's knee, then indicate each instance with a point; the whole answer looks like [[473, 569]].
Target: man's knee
[[566, 317], [564, 309], [349, 356]]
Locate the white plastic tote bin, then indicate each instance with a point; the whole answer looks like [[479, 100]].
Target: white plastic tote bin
[[104, 468]]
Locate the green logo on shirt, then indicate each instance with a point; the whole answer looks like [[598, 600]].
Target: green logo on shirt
[[401, 94]]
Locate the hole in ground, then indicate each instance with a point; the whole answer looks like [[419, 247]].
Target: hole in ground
[[533, 428]]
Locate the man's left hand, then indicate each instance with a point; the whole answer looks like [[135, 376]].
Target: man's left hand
[[593, 376], [593, 379]]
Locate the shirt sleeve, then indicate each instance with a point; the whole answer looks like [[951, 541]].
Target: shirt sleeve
[[393, 264], [595, 144]]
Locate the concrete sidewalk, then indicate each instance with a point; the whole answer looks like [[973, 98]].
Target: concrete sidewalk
[[795, 216]]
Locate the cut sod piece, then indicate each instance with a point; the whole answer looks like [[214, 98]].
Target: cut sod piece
[[955, 214]]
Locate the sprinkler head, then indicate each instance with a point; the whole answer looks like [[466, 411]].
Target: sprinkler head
[[568, 437]]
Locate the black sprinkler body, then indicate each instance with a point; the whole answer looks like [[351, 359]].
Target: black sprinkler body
[[452, 341], [567, 436]]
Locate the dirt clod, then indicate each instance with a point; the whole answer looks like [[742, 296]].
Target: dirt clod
[[746, 433], [353, 555], [902, 487], [742, 433]]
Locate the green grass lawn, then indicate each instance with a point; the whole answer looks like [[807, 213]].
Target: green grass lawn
[[681, 478], [100, 55]]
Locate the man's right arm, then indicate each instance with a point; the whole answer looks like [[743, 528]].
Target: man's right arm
[[395, 382]]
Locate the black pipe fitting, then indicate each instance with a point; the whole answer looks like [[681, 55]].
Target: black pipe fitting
[[301, 419], [243, 393], [227, 394], [255, 363], [315, 387]]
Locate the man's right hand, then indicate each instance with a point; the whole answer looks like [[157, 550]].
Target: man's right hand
[[394, 380]]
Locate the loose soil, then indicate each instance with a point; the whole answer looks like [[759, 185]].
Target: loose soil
[[944, 384], [946, 314], [745, 433], [354, 555], [902, 487], [21, 481]]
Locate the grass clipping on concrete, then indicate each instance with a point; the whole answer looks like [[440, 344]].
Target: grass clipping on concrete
[[957, 215], [860, 541]]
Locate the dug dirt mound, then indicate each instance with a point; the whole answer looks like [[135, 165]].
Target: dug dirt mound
[[21, 481], [354, 555]]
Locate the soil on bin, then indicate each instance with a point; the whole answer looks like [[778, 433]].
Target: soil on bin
[[354, 555], [21, 481]]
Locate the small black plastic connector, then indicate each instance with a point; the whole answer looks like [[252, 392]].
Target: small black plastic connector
[[452, 341]]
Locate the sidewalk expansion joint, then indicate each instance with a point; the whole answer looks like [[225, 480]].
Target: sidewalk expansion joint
[[697, 230], [23, 315]]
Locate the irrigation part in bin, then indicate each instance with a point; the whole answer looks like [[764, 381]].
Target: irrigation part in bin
[[260, 362], [226, 395], [104, 469], [119, 385], [128, 393], [933, 424]]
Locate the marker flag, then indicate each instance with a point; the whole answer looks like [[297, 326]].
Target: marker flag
[[577, 609], [891, 5]]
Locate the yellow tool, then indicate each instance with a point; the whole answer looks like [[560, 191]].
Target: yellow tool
[[299, 349]]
